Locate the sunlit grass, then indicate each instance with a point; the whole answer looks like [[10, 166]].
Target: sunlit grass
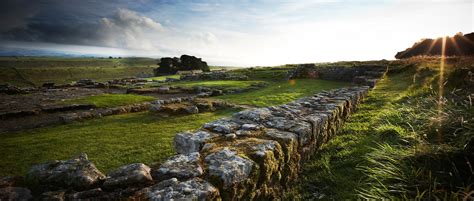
[[389, 149], [221, 84], [281, 92], [109, 142], [163, 78]]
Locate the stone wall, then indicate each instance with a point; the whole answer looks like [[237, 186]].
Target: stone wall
[[360, 74], [253, 155], [215, 75]]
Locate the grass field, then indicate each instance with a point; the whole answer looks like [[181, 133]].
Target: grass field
[[110, 100], [391, 148], [41, 62], [163, 78], [140, 137], [282, 91], [109, 142], [219, 84], [34, 71]]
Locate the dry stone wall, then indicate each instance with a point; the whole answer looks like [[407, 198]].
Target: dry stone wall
[[360, 74], [253, 155]]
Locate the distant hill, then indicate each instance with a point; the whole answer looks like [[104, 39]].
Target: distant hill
[[458, 45]]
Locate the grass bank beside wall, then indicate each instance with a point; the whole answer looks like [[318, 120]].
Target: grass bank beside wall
[[402, 143]]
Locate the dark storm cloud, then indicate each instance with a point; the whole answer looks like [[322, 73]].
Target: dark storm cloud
[[14, 13], [85, 22]]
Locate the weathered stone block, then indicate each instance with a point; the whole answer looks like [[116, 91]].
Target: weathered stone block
[[253, 115], [78, 173], [172, 189], [187, 142], [224, 126], [228, 166], [137, 174], [181, 166]]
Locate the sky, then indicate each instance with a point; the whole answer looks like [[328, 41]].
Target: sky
[[231, 32]]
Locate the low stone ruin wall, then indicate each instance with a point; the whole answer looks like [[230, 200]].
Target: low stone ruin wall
[[253, 155], [361, 74], [215, 75]]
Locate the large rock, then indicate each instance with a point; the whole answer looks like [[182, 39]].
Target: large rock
[[187, 142], [137, 174], [15, 193], [181, 166], [253, 115], [172, 189], [77, 173], [228, 166], [224, 126], [192, 109]]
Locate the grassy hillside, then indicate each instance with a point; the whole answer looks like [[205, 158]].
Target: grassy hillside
[[30, 62], [34, 71], [403, 143]]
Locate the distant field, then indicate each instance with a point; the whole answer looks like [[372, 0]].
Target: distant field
[[34, 71], [30, 62]]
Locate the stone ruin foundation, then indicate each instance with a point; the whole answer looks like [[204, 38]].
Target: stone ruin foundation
[[253, 155]]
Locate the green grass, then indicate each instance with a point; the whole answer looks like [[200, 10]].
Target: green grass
[[40, 62], [220, 84], [263, 73], [110, 100], [163, 78], [385, 151], [29, 71], [281, 92], [333, 171], [109, 142]]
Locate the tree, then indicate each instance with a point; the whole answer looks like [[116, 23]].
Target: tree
[[170, 65]]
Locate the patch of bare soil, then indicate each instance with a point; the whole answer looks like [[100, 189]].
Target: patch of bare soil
[[44, 108], [38, 100]]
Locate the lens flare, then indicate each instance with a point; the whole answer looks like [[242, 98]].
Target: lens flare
[[292, 82], [441, 86]]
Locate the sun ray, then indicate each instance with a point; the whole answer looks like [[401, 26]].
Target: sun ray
[[441, 86], [431, 47], [456, 46], [467, 40]]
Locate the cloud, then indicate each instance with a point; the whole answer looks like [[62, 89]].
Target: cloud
[[128, 29], [124, 29], [14, 13]]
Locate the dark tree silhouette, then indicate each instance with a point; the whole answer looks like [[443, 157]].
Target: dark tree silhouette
[[458, 45], [170, 65]]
